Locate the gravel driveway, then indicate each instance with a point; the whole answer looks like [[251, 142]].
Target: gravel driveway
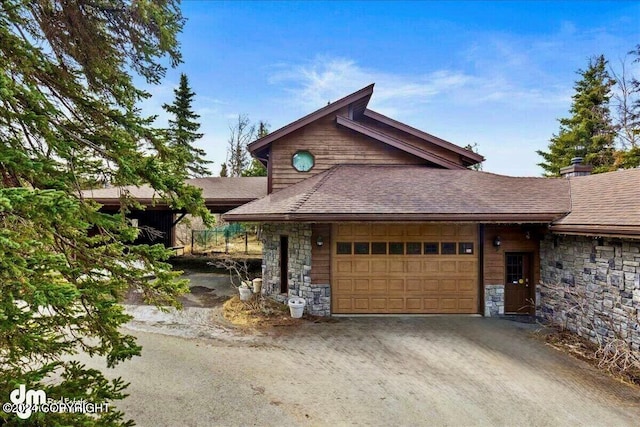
[[366, 371]]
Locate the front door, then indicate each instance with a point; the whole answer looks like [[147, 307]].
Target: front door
[[518, 295]]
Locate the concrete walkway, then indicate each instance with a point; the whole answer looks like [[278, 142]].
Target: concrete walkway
[[456, 371]]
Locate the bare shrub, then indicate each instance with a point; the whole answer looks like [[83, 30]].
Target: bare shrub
[[568, 308], [238, 270]]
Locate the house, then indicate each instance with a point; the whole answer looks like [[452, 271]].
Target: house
[[158, 220], [367, 215]]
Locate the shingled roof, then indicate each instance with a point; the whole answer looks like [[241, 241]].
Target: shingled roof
[[603, 204], [411, 193], [220, 194]]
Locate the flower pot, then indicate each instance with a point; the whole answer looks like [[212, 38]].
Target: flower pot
[[245, 293], [296, 307], [257, 285]]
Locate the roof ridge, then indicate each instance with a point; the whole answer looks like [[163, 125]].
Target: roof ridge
[[305, 197]]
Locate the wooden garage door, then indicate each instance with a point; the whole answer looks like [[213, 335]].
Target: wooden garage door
[[404, 268]]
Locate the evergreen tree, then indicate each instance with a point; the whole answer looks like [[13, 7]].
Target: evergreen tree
[[257, 168], [182, 132], [223, 171], [68, 118], [589, 132]]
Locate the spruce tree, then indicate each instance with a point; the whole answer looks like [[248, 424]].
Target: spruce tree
[[183, 132], [589, 132], [69, 119]]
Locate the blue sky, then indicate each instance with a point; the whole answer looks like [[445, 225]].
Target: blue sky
[[498, 74]]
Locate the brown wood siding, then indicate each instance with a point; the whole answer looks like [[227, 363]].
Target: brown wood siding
[[512, 240], [330, 146], [321, 255], [413, 140]]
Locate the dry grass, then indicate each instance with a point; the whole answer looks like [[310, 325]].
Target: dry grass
[[591, 353], [259, 313]]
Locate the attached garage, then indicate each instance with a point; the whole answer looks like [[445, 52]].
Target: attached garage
[[404, 268]]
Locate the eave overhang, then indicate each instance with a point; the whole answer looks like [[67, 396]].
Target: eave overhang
[[524, 218], [619, 231]]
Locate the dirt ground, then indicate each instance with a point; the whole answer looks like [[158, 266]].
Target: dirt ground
[[197, 370]]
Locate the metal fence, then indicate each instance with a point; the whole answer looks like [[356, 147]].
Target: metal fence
[[215, 238]]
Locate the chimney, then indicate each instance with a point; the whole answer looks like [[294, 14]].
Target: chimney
[[576, 169]]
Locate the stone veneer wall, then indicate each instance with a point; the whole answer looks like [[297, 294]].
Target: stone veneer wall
[[606, 273], [493, 300], [318, 296]]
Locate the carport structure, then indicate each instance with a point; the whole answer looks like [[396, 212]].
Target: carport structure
[[220, 195]]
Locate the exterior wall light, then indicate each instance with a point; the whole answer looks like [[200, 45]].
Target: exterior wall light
[[319, 241], [497, 242]]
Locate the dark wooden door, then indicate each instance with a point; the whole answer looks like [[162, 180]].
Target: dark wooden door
[[284, 264], [518, 288]]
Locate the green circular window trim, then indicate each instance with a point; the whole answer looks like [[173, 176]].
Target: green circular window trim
[[303, 161]]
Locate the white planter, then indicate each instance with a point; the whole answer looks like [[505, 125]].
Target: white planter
[[296, 307], [257, 285], [245, 293]]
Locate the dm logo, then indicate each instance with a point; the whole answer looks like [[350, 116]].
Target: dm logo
[[26, 401]]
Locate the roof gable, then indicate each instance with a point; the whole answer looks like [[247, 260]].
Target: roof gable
[[357, 109], [357, 100]]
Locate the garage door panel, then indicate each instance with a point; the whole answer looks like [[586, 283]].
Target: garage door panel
[[430, 266], [362, 266], [361, 285], [344, 286], [430, 285], [413, 266], [379, 266], [396, 285], [395, 266], [361, 303], [466, 285], [431, 304], [466, 266], [467, 304], [344, 266], [448, 303], [413, 303], [448, 267], [396, 303], [378, 285], [344, 304], [413, 284], [405, 283]]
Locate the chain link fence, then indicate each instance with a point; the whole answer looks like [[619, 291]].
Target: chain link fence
[[216, 239]]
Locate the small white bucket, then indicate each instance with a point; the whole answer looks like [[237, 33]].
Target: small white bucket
[[296, 307]]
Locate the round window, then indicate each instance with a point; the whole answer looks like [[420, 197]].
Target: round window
[[302, 161]]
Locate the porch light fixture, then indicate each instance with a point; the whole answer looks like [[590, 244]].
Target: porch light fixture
[[497, 242], [319, 241]]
